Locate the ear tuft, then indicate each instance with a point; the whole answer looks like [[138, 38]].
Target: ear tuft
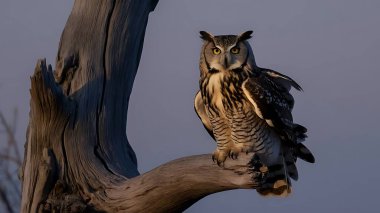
[[245, 36], [206, 36]]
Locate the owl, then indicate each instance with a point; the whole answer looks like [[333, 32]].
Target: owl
[[246, 108]]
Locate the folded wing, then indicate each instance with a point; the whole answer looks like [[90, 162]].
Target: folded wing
[[269, 94], [201, 112]]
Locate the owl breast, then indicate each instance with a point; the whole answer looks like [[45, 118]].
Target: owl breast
[[214, 90], [235, 123], [250, 133]]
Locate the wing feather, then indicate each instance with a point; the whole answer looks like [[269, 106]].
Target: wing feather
[[269, 94], [201, 112], [272, 101], [284, 84], [283, 80]]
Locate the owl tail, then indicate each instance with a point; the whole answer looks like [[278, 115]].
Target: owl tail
[[277, 178], [277, 183]]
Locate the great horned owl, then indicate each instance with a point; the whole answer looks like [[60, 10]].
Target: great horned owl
[[246, 108]]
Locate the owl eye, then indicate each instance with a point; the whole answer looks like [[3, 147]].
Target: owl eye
[[216, 51], [235, 50]]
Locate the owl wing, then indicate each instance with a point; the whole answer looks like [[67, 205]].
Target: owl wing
[[282, 80], [201, 112], [269, 94], [283, 83]]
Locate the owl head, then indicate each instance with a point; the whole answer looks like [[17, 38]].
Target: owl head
[[225, 53]]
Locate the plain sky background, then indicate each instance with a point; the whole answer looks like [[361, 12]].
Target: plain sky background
[[331, 47]]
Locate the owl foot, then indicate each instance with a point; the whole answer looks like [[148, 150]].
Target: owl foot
[[236, 150], [219, 156], [234, 153]]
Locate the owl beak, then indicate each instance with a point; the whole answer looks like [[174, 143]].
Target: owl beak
[[224, 60]]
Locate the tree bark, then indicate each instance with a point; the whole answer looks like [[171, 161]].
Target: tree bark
[[77, 155]]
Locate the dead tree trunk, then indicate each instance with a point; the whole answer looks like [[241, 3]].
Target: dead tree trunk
[[77, 156]]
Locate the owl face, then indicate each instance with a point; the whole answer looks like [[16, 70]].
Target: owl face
[[225, 53]]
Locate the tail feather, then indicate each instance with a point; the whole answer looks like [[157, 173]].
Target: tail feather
[[292, 171], [301, 150], [304, 153], [300, 132], [277, 180], [277, 176]]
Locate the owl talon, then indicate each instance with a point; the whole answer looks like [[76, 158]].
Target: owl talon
[[219, 157], [233, 155]]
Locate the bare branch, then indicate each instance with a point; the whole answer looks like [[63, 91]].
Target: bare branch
[[171, 187], [11, 160], [174, 186], [10, 131], [5, 200]]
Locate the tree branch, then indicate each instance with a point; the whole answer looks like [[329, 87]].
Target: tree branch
[[10, 160], [174, 186], [10, 132], [4, 199]]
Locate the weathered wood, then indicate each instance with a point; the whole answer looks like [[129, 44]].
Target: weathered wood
[[49, 114], [77, 156], [176, 185]]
